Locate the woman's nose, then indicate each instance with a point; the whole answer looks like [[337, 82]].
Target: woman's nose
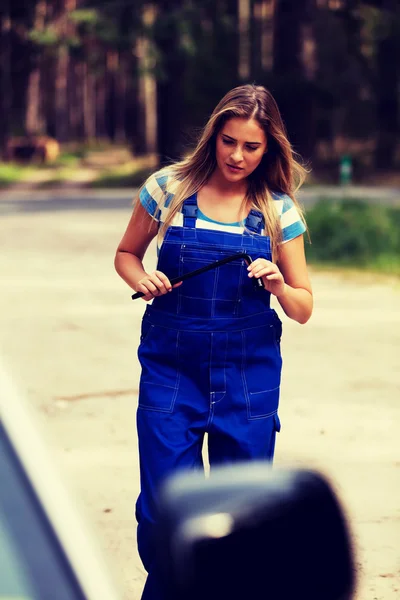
[[237, 155]]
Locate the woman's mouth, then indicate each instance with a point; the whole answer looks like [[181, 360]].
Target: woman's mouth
[[233, 168]]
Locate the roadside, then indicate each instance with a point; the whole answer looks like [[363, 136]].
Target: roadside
[[78, 168], [112, 169], [308, 196], [69, 332]]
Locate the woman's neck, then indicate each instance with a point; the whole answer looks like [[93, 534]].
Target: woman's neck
[[222, 186], [222, 200]]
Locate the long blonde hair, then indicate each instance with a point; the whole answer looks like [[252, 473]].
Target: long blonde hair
[[278, 170]]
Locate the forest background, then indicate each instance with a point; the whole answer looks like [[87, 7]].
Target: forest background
[[123, 86]]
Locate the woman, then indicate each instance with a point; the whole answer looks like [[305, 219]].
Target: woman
[[210, 349]]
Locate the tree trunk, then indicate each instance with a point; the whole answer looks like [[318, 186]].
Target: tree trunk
[[232, 11], [6, 83], [387, 92], [146, 112], [149, 102], [61, 94], [75, 100], [294, 70], [101, 97], [256, 40], [244, 39], [116, 99], [34, 123], [287, 37], [66, 29], [113, 106], [261, 37], [120, 100], [89, 111], [170, 89], [267, 34]]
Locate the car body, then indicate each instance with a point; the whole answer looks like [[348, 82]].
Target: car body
[[46, 549]]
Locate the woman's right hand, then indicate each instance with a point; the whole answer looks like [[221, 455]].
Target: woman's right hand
[[155, 284]]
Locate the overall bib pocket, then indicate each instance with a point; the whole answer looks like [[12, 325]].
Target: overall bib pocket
[[159, 358], [215, 292], [192, 259], [261, 370]]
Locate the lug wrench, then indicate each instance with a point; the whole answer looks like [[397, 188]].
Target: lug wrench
[[257, 282]]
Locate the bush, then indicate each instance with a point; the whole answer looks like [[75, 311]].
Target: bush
[[352, 232]]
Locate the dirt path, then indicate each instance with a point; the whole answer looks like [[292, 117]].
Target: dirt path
[[69, 332]]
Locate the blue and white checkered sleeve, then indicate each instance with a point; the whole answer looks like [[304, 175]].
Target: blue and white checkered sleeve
[[291, 222], [151, 196]]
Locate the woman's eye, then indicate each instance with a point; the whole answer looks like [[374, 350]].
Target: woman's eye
[[227, 142], [251, 148]]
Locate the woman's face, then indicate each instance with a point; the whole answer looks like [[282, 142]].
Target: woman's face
[[240, 146]]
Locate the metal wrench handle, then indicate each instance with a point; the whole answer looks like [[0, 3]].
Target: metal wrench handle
[[213, 265]]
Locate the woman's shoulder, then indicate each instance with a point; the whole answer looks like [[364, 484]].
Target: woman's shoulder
[[283, 202], [160, 183], [292, 223], [158, 190]]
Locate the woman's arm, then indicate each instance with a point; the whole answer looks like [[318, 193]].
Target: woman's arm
[[296, 298], [141, 230], [288, 280]]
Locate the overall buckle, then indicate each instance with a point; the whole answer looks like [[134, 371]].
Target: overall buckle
[[190, 210], [254, 221]]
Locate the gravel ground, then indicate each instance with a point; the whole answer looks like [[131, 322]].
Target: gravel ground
[[69, 332]]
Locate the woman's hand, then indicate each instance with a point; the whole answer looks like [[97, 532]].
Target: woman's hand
[[155, 284], [272, 277]]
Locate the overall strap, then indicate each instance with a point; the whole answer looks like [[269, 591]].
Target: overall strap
[[255, 221], [189, 210]]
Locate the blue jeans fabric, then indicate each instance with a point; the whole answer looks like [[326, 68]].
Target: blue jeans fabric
[[211, 363]]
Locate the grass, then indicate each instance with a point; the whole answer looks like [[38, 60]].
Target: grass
[[130, 176], [56, 177], [384, 269], [93, 165], [69, 159], [130, 173], [11, 173]]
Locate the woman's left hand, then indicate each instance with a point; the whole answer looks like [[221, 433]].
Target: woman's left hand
[[272, 277]]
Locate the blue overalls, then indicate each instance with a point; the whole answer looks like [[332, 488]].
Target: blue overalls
[[211, 362]]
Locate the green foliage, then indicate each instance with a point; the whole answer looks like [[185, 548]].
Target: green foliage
[[47, 37], [350, 232], [11, 173], [197, 45], [86, 16], [69, 159]]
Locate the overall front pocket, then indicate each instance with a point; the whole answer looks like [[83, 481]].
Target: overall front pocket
[[201, 285], [158, 355], [215, 292], [261, 370]]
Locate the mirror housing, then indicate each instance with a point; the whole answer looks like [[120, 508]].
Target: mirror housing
[[253, 532]]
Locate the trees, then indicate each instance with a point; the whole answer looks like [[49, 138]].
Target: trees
[[294, 70], [5, 75], [148, 72], [388, 84]]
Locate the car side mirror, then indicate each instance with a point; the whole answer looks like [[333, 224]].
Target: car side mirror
[[253, 532]]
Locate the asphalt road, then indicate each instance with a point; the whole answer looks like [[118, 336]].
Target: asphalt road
[[27, 201]]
